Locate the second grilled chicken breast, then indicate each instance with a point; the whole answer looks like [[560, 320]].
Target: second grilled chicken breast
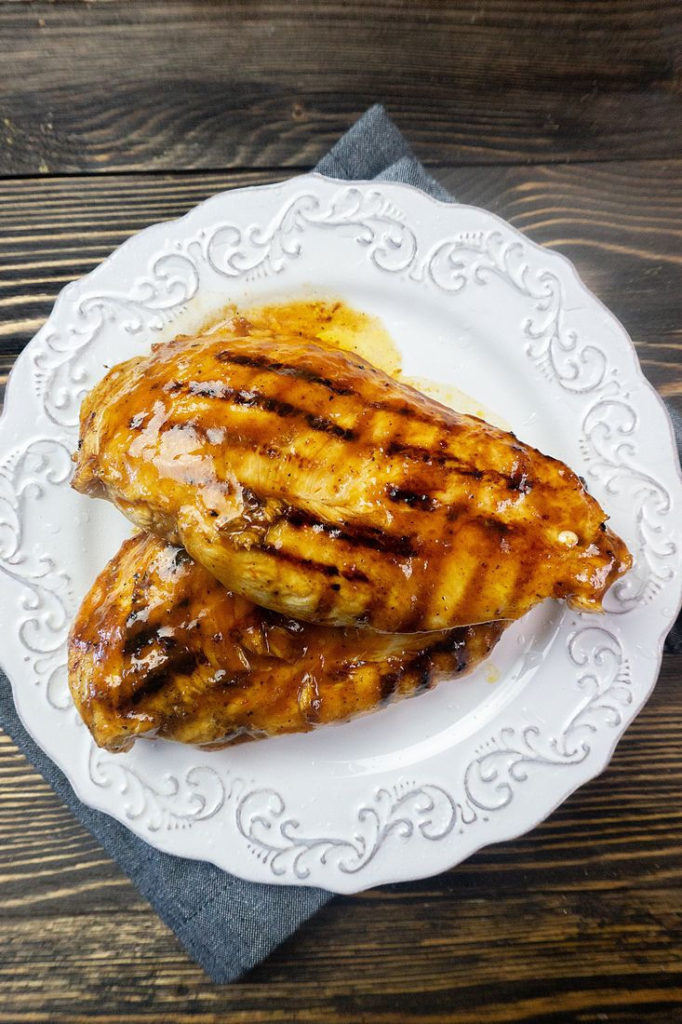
[[160, 648], [315, 485]]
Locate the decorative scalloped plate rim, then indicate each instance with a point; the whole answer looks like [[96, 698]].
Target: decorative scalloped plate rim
[[417, 787]]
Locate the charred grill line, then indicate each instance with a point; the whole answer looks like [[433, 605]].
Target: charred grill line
[[182, 663], [517, 481], [327, 427], [354, 574], [412, 498], [451, 425], [285, 370], [309, 563], [358, 536], [248, 399], [421, 664], [136, 642], [388, 684]]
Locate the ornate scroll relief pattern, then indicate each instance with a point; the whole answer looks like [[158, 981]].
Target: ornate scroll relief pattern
[[173, 803], [488, 783], [609, 449], [368, 217], [506, 760], [406, 811], [472, 258], [45, 600], [60, 367]]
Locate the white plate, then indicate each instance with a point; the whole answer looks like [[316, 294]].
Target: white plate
[[417, 787]]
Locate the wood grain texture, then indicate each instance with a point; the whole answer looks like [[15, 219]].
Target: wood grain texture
[[173, 84], [579, 921]]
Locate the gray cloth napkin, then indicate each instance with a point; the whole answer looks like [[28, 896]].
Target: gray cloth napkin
[[225, 924], [374, 148]]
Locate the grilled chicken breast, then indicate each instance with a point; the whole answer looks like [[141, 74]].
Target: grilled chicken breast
[[315, 485], [160, 648]]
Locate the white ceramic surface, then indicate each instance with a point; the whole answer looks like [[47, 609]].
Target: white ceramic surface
[[416, 787]]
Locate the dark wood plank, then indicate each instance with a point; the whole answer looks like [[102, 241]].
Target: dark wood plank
[[576, 923], [173, 84], [620, 223]]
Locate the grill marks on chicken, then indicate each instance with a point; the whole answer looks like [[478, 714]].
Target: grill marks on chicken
[[312, 483], [160, 648]]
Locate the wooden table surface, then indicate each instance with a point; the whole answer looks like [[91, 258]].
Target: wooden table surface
[[562, 116]]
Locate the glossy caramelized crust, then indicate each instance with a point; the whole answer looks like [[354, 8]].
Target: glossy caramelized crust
[[317, 486], [160, 648]]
